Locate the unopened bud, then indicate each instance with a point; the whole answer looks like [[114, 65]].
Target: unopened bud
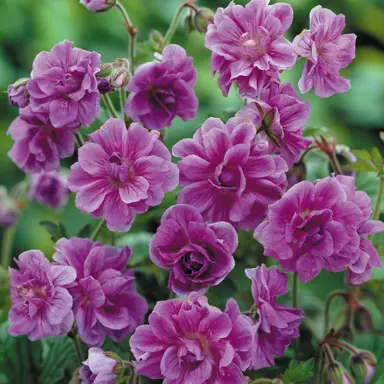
[[189, 24], [121, 63], [118, 368], [296, 174], [105, 70], [120, 77], [363, 321], [18, 95], [156, 40], [104, 86], [9, 210], [335, 373], [345, 156], [363, 366], [98, 5], [203, 17], [277, 381]]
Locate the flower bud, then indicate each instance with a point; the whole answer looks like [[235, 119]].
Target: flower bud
[[18, 95], [363, 366], [98, 5], [156, 40], [345, 157], [104, 86], [9, 210], [121, 63], [296, 174], [120, 77], [105, 70], [203, 17], [335, 373], [277, 381], [363, 321], [189, 24]]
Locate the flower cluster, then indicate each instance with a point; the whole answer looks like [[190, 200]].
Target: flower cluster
[[320, 226], [229, 174], [121, 173]]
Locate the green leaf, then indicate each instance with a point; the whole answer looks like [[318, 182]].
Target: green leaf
[[298, 372], [57, 231], [309, 132], [86, 231], [362, 166], [139, 244], [58, 360], [362, 154]]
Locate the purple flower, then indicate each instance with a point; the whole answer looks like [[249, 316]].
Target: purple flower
[[105, 300], [247, 44], [162, 90], [281, 116], [98, 5], [320, 226], [228, 173], [276, 325], [198, 254], [64, 85], [41, 306], [9, 211], [50, 189], [18, 96], [121, 173], [38, 145], [327, 52], [100, 368], [192, 342]]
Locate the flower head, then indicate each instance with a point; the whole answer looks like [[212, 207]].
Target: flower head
[[162, 90], [9, 210], [100, 367], [38, 144], [316, 226], [247, 44], [190, 341], [64, 85], [18, 95], [198, 254], [327, 52], [228, 173], [275, 325], [41, 306], [281, 115], [50, 189], [98, 5], [121, 173], [105, 300]]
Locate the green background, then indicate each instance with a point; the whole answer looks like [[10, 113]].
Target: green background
[[355, 118]]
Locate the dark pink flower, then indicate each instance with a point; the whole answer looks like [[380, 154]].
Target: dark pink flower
[[50, 189], [64, 85], [316, 226], [41, 305], [105, 300], [121, 173], [192, 342], [247, 44], [198, 254], [38, 145], [327, 52], [284, 128], [162, 90], [229, 174], [18, 96], [275, 325]]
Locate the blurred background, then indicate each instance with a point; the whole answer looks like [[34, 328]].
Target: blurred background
[[354, 118]]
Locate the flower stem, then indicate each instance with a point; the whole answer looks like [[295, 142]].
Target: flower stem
[[123, 99], [261, 381], [109, 105], [295, 294], [328, 353], [132, 31], [79, 139], [98, 230], [335, 163], [380, 196], [330, 297], [7, 246], [77, 348]]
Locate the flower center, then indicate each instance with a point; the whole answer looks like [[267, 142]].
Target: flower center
[[192, 263], [31, 291], [254, 46], [120, 172], [228, 177]]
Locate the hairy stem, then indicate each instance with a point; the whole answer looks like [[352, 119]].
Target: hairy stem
[[330, 297], [7, 246], [109, 105], [123, 99], [98, 230], [77, 348], [335, 163]]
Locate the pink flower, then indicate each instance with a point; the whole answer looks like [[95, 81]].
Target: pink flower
[[38, 145], [247, 44], [41, 306], [320, 226], [64, 85], [228, 173], [121, 173], [104, 296], [192, 342], [98, 5], [162, 90], [276, 325], [284, 129], [198, 254], [18, 95], [100, 368], [327, 52]]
